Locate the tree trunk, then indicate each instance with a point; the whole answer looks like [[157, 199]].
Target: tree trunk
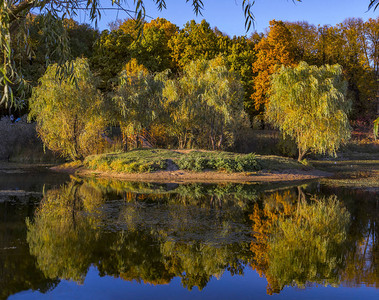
[[137, 141], [75, 141], [220, 141], [301, 154]]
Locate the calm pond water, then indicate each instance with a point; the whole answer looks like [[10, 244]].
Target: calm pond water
[[69, 238]]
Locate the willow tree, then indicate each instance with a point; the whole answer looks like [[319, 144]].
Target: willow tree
[[69, 113], [138, 99], [205, 105], [309, 104]]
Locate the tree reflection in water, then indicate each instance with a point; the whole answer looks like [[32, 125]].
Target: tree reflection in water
[[153, 234], [151, 237], [301, 242]]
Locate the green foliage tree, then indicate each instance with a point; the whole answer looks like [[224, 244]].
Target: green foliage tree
[[152, 50], [205, 105], [309, 104], [240, 55], [69, 114], [117, 47], [194, 41], [80, 38], [111, 53]]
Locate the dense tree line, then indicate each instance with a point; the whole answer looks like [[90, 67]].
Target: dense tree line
[[194, 87], [353, 44]]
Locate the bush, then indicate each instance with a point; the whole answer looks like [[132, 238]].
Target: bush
[[237, 163]]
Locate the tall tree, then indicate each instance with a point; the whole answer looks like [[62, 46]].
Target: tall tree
[[273, 51], [69, 114], [240, 56], [309, 104], [205, 105], [138, 99], [194, 41], [117, 47]]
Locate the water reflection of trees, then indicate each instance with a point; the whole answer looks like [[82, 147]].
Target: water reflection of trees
[[17, 266], [197, 232], [150, 238], [362, 259], [299, 242]]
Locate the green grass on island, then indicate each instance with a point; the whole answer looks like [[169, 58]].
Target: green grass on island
[[151, 160]]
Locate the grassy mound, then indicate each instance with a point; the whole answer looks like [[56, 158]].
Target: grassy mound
[[150, 160]]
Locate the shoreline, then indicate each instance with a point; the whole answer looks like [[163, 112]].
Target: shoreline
[[180, 176]]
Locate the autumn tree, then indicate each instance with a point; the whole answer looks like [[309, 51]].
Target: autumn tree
[[12, 20], [205, 105], [273, 51], [117, 47], [69, 113], [138, 99], [309, 104], [306, 39], [350, 44], [317, 253], [194, 41]]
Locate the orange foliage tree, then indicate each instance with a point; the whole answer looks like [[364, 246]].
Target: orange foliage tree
[[278, 205], [274, 50]]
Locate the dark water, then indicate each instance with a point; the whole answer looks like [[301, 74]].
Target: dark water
[[68, 238]]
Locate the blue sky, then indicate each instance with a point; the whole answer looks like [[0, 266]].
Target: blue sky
[[227, 15]]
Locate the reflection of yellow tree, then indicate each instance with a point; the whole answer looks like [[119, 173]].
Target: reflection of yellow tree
[[67, 236], [60, 236], [310, 246], [296, 243]]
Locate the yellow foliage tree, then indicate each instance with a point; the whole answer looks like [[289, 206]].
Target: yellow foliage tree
[[69, 113], [310, 105]]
